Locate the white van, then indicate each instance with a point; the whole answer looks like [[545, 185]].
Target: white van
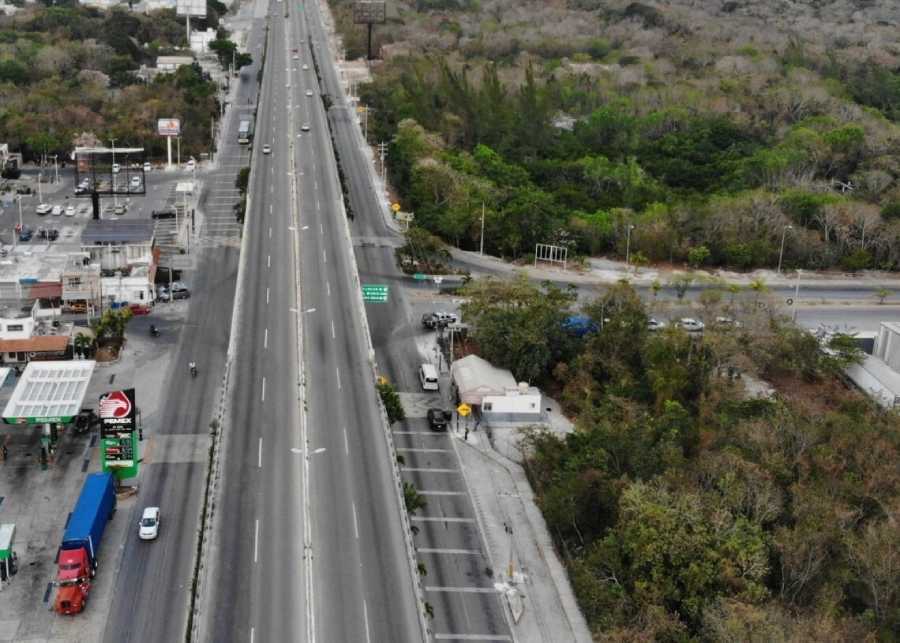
[[428, 377]]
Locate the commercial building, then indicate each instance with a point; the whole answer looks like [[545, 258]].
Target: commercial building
[[170, 64], [32, 335], [494, 392], [127, 257]]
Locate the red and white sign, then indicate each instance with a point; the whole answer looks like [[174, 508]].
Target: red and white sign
[[117, 412], [168, 126]]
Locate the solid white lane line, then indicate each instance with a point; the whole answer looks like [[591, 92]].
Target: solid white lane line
[[259, 455], [413, 450], [266, 338], [428, 470], [256, 542], [471, 590], [435, 550], [264, 389], [338, 371], [434, 434], [355, 521], [267, 294], [439, 519], [366, 618], [332, 330], [449, 636], [346, 443], [441, 493]]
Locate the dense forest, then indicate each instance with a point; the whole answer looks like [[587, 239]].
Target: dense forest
[[690, 504], [66, 69], [714, 129]]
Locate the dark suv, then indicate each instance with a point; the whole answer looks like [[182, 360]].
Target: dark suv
[[438, 419]]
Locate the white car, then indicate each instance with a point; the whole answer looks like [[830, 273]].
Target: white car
[[148, 527], [191, 165], [309, 92], [115, 168], [690, 324], [305, 67], [295, 57], [305, 127], [70, 211], [147, 166], [43, 208], [57, 210], [267, 149], [135, 181], [655, 324]]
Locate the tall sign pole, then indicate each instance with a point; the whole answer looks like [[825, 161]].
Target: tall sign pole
[[369, 12]]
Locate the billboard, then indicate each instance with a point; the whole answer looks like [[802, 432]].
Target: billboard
[[117, 413], [369, 13], [168, 127], [191, 8]]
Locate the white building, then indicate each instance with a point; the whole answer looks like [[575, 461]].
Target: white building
[[34, 335], [887, 346], [100, 4], [156, 5], [170, 64], [519, 404], [200, 40]]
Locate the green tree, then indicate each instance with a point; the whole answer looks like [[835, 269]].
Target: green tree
[[882, 294], [392, 404], [518, 325], [698, 255]]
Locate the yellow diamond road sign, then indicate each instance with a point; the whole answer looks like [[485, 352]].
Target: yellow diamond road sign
[[395, 207], [464, 409]]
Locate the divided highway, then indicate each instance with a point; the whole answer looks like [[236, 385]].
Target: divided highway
[[307, 543]]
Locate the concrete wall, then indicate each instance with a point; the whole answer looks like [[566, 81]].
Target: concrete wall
[[887, 348], [512, 407]]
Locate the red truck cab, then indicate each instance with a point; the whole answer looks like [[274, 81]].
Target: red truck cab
[[74, 581]]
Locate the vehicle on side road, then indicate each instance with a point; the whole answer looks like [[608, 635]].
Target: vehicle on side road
[[120, 209], [25, 234], [428, 377], [654, 324], [115, 168], [691, 325], [148, 527], [43, 208], [78, 553], [438, 319], [70, 211], [147, 166], [438, 419], [57, 210], [245, 130]]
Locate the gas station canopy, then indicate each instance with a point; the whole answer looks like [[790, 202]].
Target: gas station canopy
[[49, 392]]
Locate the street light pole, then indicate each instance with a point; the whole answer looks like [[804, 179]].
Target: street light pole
[[19, 201], [781, 252], [628, 243], [797, 295], [114, 175], [481, 250]]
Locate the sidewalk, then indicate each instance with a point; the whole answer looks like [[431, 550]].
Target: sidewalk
[[525, 563], [606, 271]]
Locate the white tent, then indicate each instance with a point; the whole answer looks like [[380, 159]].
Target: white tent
[[474, 378]]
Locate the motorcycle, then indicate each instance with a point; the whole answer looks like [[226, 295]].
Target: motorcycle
[[193, 370], [154, 331]]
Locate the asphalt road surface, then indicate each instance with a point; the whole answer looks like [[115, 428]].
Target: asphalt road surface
[[311, 546], [459, 592], [153, 584]]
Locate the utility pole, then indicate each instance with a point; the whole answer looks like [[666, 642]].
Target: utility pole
[[366, 123], [56, 170], [178, 162], [781, 252], [19, 201], [628, 243], [382, 149], [797, 294], [481, 250], [114, 175]]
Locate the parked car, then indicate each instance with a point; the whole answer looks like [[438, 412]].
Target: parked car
[[191, 165], [84, 208], [148, 527], [729, 322], [439, 419], [147, 166], [57, 210], [135, 182], [691, 325], [43, 208], [655, 324], [438, 319], [115, 168], [180, 291], [120, 209], [48, 234], [25, 234], [70, 211]]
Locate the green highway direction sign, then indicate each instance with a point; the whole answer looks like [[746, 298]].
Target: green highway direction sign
[[375, 293]]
